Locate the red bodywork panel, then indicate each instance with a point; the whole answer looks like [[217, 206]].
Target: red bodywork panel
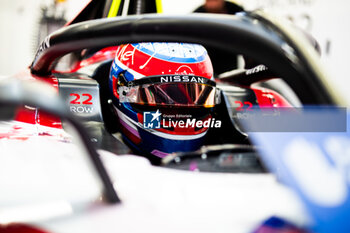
[[19, 228], [32, 115], [102, 55], [267, 98]]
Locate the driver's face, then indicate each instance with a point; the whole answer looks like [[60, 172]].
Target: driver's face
[[214, 6]]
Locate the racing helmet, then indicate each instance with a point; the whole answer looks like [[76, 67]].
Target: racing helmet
[[160, 91]]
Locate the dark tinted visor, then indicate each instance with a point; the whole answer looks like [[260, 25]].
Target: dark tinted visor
[[175, 90]]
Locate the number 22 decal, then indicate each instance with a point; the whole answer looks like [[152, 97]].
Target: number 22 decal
[[241, 104], [77, 98]]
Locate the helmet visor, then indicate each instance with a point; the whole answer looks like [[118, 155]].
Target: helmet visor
[[170, 93]]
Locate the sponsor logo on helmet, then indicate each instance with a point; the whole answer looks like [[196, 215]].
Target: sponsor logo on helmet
[[181, 78], [184, 69]]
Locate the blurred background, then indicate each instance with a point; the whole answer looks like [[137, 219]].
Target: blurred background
[[24, 23]]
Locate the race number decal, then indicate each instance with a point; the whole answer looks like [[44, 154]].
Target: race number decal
[[246, 105], [79, 100], [82, 97]]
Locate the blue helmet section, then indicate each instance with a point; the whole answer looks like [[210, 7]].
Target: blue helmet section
[[173, 52], [124, 107]]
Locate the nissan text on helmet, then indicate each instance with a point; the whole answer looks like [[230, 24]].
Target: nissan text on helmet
[[163, 94]]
